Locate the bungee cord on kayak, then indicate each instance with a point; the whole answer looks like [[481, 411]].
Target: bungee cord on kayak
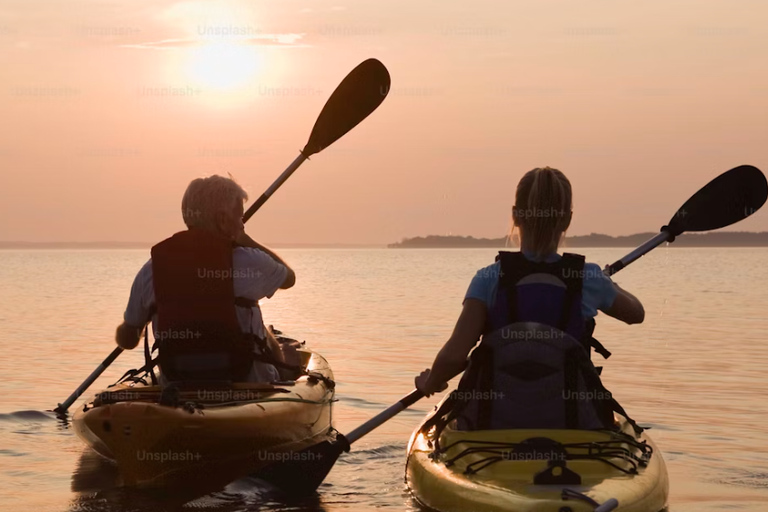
[[623, 447]]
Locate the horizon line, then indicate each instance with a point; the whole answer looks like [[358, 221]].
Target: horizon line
[[106, 244]]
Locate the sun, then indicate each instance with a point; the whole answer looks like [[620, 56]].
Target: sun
[[224, 66]]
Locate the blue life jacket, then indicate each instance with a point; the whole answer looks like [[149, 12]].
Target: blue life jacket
[[546, 293], [532, 367]]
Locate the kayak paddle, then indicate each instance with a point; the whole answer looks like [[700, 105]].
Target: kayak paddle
[[306, 469], [731, 197], [354, 99], [62, 408]]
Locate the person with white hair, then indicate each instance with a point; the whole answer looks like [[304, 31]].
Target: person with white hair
[[201, 289]]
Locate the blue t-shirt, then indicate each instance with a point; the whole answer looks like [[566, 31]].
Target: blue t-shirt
[[597, 292]]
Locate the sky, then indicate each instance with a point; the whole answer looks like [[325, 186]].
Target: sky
[[110, 108]]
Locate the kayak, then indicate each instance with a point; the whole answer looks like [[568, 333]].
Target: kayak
[[536, 470], [160, 438]]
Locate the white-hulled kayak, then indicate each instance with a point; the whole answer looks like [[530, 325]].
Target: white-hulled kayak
[[233, 430], [494, 470]]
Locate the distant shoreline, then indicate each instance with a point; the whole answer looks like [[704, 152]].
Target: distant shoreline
[[148, 245], [594, 240], [712, 239]]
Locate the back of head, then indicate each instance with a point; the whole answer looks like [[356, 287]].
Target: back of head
[[206, 198], [542, 209]]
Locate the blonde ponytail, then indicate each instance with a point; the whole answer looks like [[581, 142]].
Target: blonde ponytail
[[542, 209]]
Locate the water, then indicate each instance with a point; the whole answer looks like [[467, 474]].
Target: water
[[695, 370]]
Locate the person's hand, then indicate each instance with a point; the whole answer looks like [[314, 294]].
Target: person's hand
[[426, 387], [287, 342], [290, 354], [127, 336]]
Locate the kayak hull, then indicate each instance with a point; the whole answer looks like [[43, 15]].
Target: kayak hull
[[507, 485], [238, 430]]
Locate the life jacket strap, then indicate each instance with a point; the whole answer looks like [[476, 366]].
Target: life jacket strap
[[243, 302], [611, 404], [590, 342], [599, 348], [240, 302], [149, 363], [484, 384], [569, 269], [571, 387]]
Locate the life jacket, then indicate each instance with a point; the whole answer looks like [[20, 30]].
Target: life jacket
[[532, 375], [548, 293], [197, 334], [532, 291], [532, 368]]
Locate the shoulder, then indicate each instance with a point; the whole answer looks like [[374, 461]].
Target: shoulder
[[144, 276], [593, 272], [146, 269], [484, 283], [491, 272], [249, 256]]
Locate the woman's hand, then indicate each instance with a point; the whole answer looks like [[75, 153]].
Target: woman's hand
[[424, 384]]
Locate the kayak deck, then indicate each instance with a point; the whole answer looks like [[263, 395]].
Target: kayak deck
[[233, 430], [496, 470]]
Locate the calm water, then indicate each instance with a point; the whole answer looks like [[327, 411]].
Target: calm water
[[695, 370]]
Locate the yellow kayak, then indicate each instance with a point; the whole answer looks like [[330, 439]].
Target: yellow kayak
[[536, 470], [220, 430]]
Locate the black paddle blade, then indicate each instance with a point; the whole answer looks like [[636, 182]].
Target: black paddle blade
[[359, 94], [727, 199], [305, 470]]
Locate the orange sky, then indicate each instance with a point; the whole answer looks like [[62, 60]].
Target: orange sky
[[639, 104]]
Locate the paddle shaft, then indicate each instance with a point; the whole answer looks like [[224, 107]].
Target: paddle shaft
[[638, 253], [62, 408], [271, 190], [392, 411]]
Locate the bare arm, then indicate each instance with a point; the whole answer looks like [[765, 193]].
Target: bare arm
[[274, 347], [626, 307], [452, 358], [246, 241]]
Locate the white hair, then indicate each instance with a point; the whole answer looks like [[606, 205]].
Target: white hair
[[205, 197]]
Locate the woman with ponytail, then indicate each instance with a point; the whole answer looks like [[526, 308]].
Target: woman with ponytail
[[534, 284]]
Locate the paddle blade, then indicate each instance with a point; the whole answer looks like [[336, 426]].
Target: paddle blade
[[727, 199], [359, 94], [303, 472]]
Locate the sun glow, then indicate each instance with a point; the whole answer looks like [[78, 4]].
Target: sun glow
[[226, 66]]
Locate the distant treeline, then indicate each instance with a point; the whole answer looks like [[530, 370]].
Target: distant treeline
[[713, 239]]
